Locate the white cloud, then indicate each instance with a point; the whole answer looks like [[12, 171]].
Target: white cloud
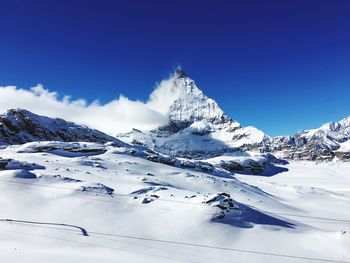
[[118, 115]]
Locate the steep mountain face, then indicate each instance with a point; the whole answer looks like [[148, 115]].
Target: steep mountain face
[[19, 126], [198, 127], [329, 141], [192, 105]]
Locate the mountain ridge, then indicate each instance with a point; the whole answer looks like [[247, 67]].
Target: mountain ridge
[[18, 126], [323, 143]]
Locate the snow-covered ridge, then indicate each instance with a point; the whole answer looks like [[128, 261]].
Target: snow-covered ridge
[[338, 131], [19, 126], [325, 143]]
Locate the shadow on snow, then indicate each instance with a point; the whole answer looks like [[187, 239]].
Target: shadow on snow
[[250, 217]]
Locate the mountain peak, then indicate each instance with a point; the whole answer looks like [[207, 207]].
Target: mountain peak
[[184, 103], [180, 73], [189, 104]]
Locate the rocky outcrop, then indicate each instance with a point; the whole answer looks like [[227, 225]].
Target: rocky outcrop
[[224, 204], [11, 164]]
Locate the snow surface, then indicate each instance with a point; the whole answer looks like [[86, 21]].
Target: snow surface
[[115, 207], [344, 147]]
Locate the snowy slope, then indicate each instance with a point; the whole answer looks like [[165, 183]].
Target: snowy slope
[[95, 202]]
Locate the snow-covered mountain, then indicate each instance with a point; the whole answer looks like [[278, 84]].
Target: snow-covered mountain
[[325, 143], [197, 128], [190, 105], [19, 126]]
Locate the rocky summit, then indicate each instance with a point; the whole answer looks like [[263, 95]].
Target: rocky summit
[[191, 105]]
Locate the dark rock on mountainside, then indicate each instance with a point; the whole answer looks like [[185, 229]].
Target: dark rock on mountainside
[[19, 126]]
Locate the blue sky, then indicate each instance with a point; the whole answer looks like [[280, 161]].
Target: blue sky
[[279, 65]]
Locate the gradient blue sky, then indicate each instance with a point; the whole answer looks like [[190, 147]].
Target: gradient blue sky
[[278, 65]]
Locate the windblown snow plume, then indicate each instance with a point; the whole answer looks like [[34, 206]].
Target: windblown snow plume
[[164, 95]]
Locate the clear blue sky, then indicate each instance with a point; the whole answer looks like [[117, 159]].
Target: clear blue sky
[[278, 65]]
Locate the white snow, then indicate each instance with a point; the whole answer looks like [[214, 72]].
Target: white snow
[[302, 212], [344, 147]]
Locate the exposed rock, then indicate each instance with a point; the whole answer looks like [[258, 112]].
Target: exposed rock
[[224, 202], [11, 164], [161, 159], [251, 166], [97, 188], [69, 147]]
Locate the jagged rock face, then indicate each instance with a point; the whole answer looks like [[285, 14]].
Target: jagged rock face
[[20, 126], [191, 105]]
